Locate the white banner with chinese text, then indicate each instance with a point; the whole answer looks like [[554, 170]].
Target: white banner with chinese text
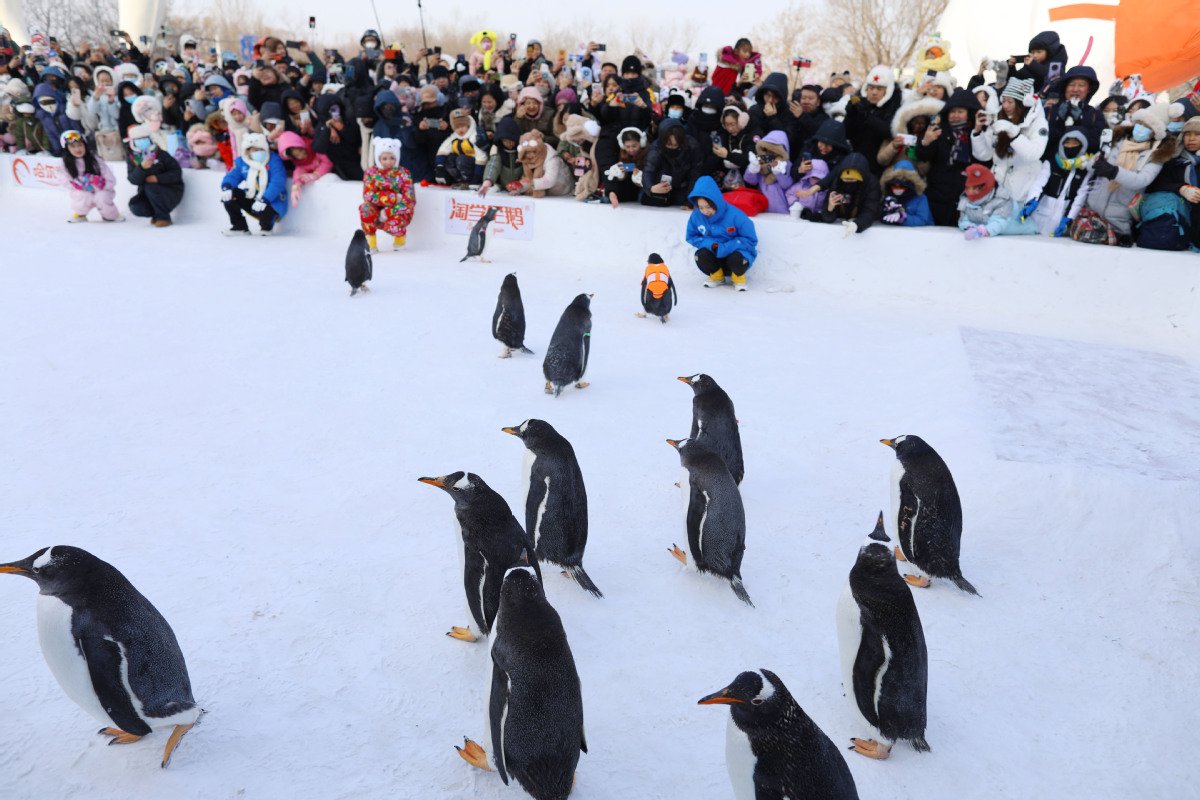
[[514, 215]]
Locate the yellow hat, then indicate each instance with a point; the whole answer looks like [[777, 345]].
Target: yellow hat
[[851, 175], [479, 37]]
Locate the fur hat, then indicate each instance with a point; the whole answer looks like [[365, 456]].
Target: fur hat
[[509, 83], [383, 145], [580, 129], [742, 117], [1154, 118], [144, 103], [943, 79], [980, 182], [1191, 126], [16, 89], [127, 72], [254, 140], [884, 76], [25, 108], [902, 171], [1022, 90], [137, 132], [917, 107]]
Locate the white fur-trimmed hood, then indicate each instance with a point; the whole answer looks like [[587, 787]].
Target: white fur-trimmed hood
[[922, 106]]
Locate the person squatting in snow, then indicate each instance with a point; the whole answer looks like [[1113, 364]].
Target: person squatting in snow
[[389, 199], [88, 179]]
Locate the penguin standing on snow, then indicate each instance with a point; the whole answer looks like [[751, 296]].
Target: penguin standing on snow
[[567, 356], [535, 702], [773, 749], [508, 321], [108, 647], [927, 512], [490, 541], [885, 666], [358, 263], [658, 290], [477, 240], [714, 420], [712, 514], [555, 500]]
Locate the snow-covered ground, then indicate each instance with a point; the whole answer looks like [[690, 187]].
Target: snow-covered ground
[[217, 419]]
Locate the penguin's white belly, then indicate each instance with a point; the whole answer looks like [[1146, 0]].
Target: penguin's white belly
[[541, 512], [487, 743], [890, 523], [850, 631], [740, 761], [685, 490], [64, 658], [462, 566], [526, 481]]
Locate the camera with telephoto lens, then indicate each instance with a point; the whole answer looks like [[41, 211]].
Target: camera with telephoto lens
[[800, 62]]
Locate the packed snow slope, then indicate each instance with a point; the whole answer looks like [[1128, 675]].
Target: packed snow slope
[[221, 422]]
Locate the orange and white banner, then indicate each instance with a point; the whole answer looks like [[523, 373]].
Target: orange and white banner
[[514, 215], [34, 172]]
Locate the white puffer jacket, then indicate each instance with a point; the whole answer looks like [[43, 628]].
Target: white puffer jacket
[[1018, 171]]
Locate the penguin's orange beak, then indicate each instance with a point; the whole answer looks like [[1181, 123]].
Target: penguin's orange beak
[[688, 381], [719, 698], [674, 443], [513, 431], [7, 568], [432, 482], [888, 442]]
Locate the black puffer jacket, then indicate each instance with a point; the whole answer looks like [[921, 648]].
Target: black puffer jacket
[[864, 208], [868, 126], [706, 129], [344, 152], [684, 166], [782, 119], [615, 115]]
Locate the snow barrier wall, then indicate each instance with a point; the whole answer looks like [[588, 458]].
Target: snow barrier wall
[[1136, 298]]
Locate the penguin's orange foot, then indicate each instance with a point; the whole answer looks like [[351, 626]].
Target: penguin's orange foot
[[173, 742], [484, 260], [871, 748], [473, 754], [919, 581], [462, 634], [119, 736], [549, 388], [640, 315], [675, 551], [900, 555], [582, 385], [506, 354]]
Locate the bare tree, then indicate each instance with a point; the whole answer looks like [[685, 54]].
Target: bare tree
[[866, 33], [72, 22], [794, 32]]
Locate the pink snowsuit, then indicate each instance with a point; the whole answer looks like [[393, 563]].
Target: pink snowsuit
[[91, 191]]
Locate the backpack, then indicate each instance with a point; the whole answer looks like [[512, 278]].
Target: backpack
[[1164, 222], [1091, 228]]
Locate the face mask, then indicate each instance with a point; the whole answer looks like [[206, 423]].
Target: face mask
[[1141, 133], [143, 144], [335, 113], [485, 46], [675, 113], [1175, 127], [130, 98], [1113, 118], [49, 108], [707, 110], [259, 155]]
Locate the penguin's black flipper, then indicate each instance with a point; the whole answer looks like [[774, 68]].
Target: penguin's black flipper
[[104, 659], [866, 666], [497, 709], [578, 575], [474, 566], [964, 584]]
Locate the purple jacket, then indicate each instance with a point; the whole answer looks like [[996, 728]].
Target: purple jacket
[[776, 193]]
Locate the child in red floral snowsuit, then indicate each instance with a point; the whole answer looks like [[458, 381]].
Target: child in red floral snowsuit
[[388, 195]]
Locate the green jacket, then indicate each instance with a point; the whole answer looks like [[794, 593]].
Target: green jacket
[[31, 137], [503, 167]]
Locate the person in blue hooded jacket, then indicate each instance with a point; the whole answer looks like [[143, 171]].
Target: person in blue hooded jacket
[[724, 237], [257, 185], [51, 111]]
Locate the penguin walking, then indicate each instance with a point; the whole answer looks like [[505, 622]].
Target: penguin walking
[[477, 240], [534, 727], [567, 356], [490, 541], [658, 290], [774, 749], [508, 321], [713, 515], [714, 420], [885, 665], [358, 263], [108, 647], [555, 500], [927, 513]]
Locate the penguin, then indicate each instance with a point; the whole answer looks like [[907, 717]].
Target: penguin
[[712, 515], [714, 420], [927, 512], [358, 263], [508, 321], [773, 749], [555, 500], [534, 729], [567, 356], [885, 665], [490, 541], [477, 240], [658, 290], [108, 647]]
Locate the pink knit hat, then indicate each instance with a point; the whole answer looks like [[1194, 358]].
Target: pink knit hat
[[566, 96]]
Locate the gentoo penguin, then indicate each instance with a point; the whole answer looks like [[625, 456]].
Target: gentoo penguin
[[714, 420], [358, 263], [712, 515], [508, 321], [534, 729], [567, 356], [927, 512], [108, 647], [658, 290], [773, 749], [490, 541], [555, 500], [885, 666], [477, 240]]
